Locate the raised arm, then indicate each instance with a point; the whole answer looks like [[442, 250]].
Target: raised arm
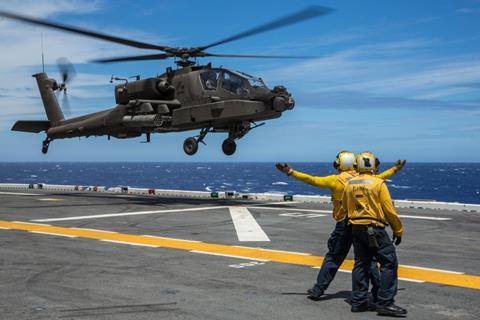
[[327, 182], [390, 172]]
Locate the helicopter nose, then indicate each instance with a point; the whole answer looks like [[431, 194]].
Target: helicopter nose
[[283, 103], [290, 103]]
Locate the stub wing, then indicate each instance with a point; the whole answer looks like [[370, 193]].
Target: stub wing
[[31, 126]]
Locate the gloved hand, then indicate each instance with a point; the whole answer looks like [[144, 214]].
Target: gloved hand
[[285, 168], [399, 164], [397, 240]]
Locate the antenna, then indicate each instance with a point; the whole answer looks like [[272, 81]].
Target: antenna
[[43, 60]]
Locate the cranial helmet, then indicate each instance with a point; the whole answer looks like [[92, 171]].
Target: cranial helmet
[[344, 161], [366, 162]]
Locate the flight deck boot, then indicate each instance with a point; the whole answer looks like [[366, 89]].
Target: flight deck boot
[[391, 310], [314, 294]]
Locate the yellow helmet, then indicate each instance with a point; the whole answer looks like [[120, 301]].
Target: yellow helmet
[[344, 161], [366, 162]]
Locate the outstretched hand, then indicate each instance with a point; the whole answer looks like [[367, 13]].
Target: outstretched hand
[[285, 168], [399, 164]]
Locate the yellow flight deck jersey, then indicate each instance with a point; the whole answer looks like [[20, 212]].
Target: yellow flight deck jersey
[[336, 184], [366, 201]]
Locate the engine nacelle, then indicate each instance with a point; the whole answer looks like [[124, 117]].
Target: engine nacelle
[[147, 89]]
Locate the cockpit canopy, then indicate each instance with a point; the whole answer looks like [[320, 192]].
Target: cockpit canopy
[[238, 83]]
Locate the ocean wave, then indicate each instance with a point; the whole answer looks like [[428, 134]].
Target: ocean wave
[[209, 189], [400, 187], [280, 183]]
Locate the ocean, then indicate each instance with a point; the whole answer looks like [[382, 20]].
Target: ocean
[[452, 182]]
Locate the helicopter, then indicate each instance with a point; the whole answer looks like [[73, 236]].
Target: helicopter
[[190, 97]]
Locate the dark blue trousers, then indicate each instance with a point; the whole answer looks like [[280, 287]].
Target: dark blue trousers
[[364, 255], [339, 245]]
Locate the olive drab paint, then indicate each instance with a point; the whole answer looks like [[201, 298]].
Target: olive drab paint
[[192, 97]]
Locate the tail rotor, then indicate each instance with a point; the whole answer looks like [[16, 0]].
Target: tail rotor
[[68, 73]]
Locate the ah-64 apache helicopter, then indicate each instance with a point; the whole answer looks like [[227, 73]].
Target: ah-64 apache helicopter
[[187, 98]]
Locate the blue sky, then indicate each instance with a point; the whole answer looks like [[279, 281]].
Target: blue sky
[[399, 78]]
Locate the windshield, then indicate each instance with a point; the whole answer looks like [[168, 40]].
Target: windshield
[[234, 83], [254, 81], [257, 83]]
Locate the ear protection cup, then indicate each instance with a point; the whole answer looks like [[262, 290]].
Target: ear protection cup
[[377, 163], [336, 163]]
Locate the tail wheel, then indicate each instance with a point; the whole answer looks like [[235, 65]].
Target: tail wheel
[[229, 146], [190, 146]]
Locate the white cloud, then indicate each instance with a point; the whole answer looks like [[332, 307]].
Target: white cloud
[[390, 69]]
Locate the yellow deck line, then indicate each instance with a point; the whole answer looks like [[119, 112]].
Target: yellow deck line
[[410, 272]]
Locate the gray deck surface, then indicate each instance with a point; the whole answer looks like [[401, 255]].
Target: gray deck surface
[[51, 277]]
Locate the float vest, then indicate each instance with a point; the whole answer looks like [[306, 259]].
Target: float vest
[[343, 178], [363, 203]]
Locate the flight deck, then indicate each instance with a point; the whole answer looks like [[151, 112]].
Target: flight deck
[[117, 255]]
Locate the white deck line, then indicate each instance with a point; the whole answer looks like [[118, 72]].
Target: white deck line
[[411, 280], [289, 209], [167, 238], [330, 211], [96, 230], [19, 193], [432, 269], [228, 255], [281, 202], [34, 224], [246, 226], [424, 217], [271, 250], [53, 234], [131, 243], [124, 214]]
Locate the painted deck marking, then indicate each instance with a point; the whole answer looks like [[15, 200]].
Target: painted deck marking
[[289, 209], [227, 255], [19, 193], [405, 272], [124, 214], [50, 199], [131, 244], [424, 217], [53, 234], [246, 226]]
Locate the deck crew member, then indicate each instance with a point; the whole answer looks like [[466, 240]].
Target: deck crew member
[[369, 209], [340, 239]]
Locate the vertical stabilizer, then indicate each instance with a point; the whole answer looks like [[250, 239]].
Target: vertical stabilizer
[[52, 108]]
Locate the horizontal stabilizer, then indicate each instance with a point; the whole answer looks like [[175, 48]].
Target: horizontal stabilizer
[[31, 126]]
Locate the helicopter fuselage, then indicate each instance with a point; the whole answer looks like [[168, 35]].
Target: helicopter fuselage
[[194, 97]]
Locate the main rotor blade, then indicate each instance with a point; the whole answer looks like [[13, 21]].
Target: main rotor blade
[[158, 56], [84, 32], [305, 14], [257, 56]]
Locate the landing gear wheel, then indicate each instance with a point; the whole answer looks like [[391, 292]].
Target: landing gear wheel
[[44, 149], [190, 146], [229, 147]]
